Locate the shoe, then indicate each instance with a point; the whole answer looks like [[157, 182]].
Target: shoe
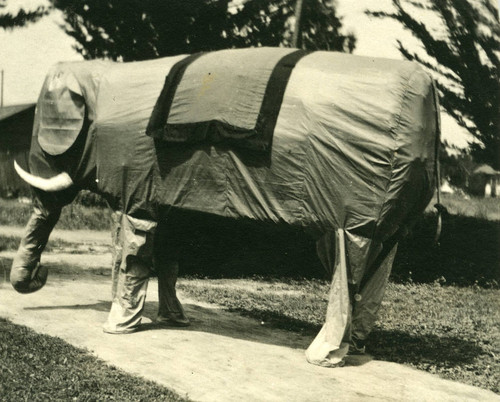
[[357, 347], [173, 321], [120, 331]]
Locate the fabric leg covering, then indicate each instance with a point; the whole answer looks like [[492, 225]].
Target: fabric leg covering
[[27, 275], [132, 262], [328, 348], [366, 308], [166, 256], [170, 310]]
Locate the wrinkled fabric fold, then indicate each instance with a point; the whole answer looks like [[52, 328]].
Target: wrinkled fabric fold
[[132, 264], [332, 344]]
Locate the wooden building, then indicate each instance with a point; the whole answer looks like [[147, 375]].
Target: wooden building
[[16, 124]]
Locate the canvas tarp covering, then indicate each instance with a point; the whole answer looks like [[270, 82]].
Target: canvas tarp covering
[[351, 133]]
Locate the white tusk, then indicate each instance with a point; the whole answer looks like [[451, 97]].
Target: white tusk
[[57, 183]]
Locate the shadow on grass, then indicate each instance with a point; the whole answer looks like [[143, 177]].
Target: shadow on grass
[[392, 346], [280, 321], [422, 349]]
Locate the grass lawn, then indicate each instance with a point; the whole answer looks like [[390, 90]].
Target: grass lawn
[[36, 367], [474, 207]]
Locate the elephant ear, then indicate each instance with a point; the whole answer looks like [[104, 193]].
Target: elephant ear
[[60, 112]]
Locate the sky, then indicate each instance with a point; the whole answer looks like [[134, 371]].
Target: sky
[[27, 53]]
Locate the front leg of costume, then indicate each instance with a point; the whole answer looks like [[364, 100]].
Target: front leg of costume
[[170, 310], [132, 263], [27, 275], [166, 257]]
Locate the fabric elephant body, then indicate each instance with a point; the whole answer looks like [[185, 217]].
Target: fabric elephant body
[[352, 157]]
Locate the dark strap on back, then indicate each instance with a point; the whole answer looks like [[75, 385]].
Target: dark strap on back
[[273, 97], [164, 103]]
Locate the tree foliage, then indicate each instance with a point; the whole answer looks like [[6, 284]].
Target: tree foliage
[[465, 57], [269, 23], [21, 18], [143, 29]]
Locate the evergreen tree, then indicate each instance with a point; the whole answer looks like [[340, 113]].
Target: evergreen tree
[[21, 18], [466, 61], [143, 29]]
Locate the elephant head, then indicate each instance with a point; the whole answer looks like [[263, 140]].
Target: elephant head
[[60, 163]]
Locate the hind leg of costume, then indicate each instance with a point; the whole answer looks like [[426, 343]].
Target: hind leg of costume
[[132, 260], [365, 309]]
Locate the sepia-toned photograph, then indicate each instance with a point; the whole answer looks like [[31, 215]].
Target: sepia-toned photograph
[[249, 200]]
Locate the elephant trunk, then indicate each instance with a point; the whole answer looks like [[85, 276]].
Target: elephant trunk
[[27, 275]]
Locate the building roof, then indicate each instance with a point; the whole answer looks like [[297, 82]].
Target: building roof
[[487, 170], [8, 111]]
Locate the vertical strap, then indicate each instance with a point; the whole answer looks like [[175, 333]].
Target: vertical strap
[[437, 169], [273, 96], [161, 110], [439, 207]]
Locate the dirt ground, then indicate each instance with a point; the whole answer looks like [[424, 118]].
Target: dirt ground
[[220, 357]]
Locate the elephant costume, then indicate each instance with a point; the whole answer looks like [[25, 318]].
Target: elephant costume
[[341, 146]]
